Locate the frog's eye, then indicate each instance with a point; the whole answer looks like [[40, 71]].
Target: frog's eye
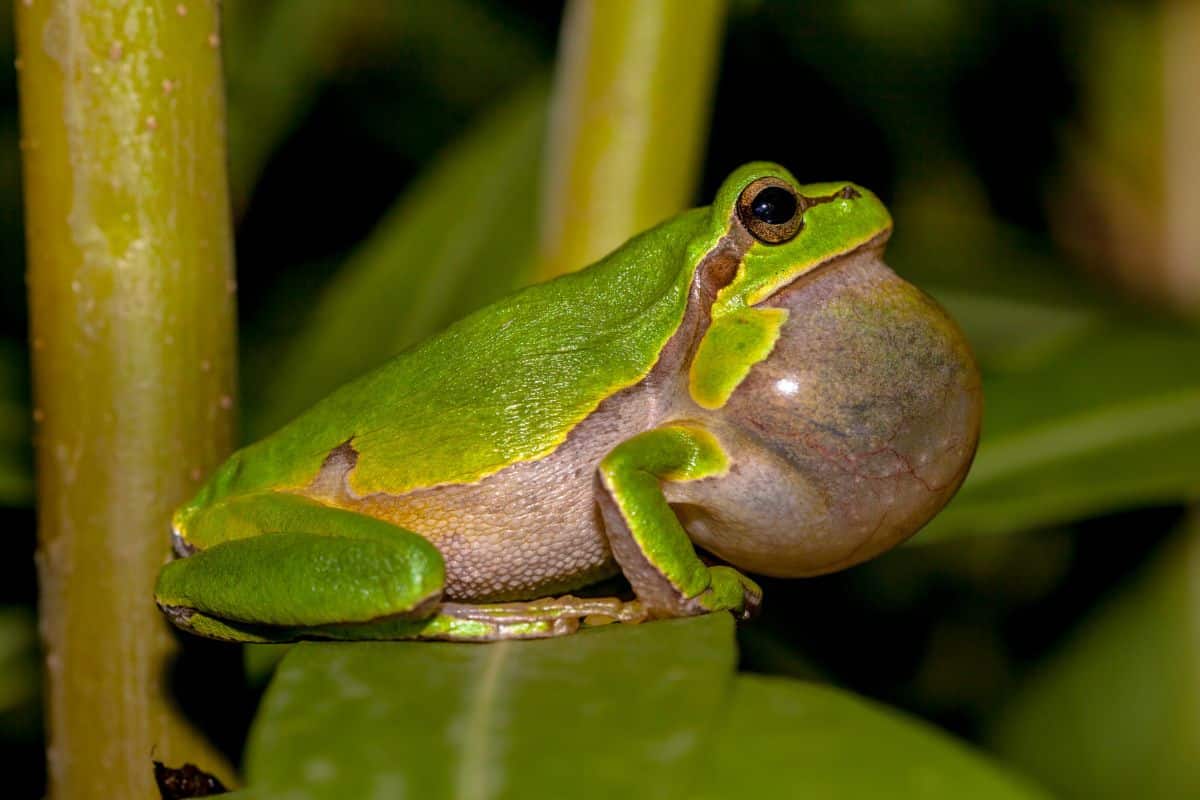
[[771, 210]]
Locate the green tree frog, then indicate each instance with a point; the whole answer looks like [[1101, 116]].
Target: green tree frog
[[746, 386]]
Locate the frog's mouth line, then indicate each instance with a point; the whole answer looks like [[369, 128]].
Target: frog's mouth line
[[876, 242]]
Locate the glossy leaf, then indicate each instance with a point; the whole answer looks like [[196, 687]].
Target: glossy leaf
[[649, 711], [601, 714]]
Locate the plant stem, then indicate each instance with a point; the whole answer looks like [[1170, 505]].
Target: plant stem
[[131, 303], [628, 122]]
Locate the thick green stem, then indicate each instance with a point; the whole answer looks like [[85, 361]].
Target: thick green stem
[[131, 301], [628, 122]]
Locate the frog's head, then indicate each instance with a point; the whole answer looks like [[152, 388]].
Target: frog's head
[[858, 381]]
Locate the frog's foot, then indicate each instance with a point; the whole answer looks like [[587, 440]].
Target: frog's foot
[[646, 537], [452, 622], [536, 619]]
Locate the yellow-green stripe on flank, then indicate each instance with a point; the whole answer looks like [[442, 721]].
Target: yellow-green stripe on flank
[[734, 343]]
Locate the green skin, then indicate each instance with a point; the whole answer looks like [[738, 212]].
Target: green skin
[[778, 397]]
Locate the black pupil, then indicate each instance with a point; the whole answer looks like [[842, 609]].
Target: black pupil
[[774, 205]]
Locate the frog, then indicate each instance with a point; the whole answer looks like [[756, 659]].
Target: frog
[[744, 389]]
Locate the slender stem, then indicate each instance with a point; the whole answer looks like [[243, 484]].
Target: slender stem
[[131, 303], [628, 122]]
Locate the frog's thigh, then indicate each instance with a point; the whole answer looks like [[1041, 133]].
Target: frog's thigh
[[646, 537], [311, 566]]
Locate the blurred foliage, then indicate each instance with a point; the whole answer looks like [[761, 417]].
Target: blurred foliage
[[20, 685], [1115, 712], [386, 164], [1087, 410], [281, 53], [1105, 419], [790, 736], [1125, 202]]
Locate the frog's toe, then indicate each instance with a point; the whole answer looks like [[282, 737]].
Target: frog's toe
[[751, 598], [751, 603]]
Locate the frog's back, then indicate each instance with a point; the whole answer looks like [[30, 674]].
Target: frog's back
[[502, 386]]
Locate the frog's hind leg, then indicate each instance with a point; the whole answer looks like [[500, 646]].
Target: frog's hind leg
[[452, 622], [277, 567], [537, 619]]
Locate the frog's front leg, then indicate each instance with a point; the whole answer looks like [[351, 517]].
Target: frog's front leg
[[646, 537], [276, 566]]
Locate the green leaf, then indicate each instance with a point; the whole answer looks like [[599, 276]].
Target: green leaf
[[794, 739], [461, 236], [1108, 421], [600, 714], [1115, 712], [646, 711]]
